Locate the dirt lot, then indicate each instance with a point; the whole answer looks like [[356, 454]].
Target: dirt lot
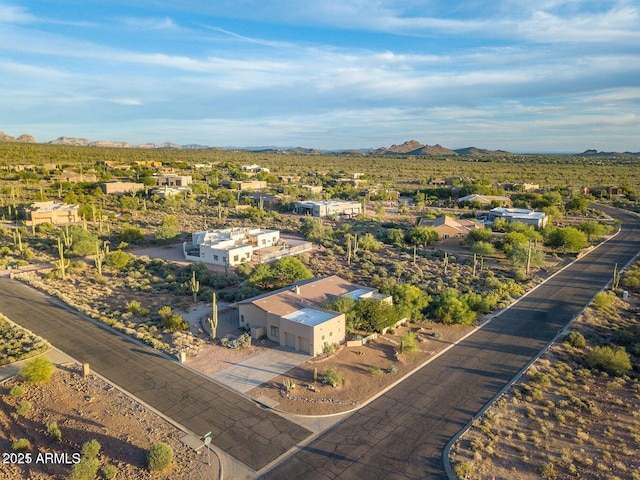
[[86, 409], [366, 371], [577, 423]]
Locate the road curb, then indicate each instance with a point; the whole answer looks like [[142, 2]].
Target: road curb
[[447, 450]]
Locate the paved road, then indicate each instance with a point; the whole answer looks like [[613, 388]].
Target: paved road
[[402, 434], [239, 427]]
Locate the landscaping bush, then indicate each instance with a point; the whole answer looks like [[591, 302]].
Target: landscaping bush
[[159, 457], [613, 360], [333, 377], [38, 370], [23, 407], [576, 340], [603, 299], [21, 445], [109, 471], [54, 432], [17, 391], [409, 343], [85, 469], [91, 449]]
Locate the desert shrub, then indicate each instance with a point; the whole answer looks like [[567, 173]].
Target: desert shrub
[[409, 343], [85, 469], [21, 445], [23, 407], [17, 391], [375, 371], [333, 377], [38, 370], [603, 299], [463, 470], [109, 471], [576, 340], [613, 360], [288, 384], [548, 470], [541, 379], [91, 449], [172, 321], [159, 457], [54, 432], [329, 348], [233, 342]]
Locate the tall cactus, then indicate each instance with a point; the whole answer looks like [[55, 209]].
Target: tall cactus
[[195, 286], [101, 255], [63, 264], [616, 277], [67, 237], [213, 320]]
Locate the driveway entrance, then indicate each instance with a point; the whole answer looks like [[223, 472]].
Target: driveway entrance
[[257, 370]]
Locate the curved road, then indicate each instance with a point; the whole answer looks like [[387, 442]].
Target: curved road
[[239, 427], [402, 434]]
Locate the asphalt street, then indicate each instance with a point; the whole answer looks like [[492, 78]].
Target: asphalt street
[[239, 427], [402, 434]]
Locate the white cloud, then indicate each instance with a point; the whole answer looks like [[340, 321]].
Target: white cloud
[[164, 23]]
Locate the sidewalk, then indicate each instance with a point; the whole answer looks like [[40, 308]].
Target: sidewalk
[[53, 355]]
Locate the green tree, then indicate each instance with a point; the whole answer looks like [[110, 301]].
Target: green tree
[[282, 272], [38, 370], [568, 239], [578, 205], [374, 315], [169, 229], [421, 236], [118, 260], [172, 321], [394, 236], [410, 301], [483, 248], [130, 234], [314, 230], [450, 308], [369, 242], [480, 235], [613, 360]]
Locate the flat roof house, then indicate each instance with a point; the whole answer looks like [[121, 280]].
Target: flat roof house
[[173, 180], [294, 316], [229, 246], [51, 212], [328, 207], [121, 187], [516, 215]]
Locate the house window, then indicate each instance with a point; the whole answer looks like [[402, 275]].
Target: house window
[[322, 337], [264, 241], [235, 258], [274, 331], [241, 318], [215, 258]]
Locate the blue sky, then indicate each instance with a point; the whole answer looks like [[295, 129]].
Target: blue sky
[[520, 75]]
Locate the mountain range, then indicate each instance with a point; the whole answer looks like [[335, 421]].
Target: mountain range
[[410, 147]]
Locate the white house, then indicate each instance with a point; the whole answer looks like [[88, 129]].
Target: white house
[[516, 215], [328, 207], [229, 246]]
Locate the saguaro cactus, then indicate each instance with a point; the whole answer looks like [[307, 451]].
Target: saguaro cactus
[[62, 264], [195, 286], [213, 320]]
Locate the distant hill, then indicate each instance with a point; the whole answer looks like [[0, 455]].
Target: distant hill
[[596, 153], [413, 147], [24, 138], [83, 142]]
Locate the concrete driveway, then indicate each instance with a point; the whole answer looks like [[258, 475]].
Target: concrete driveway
[[259, 369]]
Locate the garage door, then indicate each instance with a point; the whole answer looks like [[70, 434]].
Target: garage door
[[305, 345], [290, 340]]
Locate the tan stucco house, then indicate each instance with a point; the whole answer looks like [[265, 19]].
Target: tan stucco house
[[294, 316]]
